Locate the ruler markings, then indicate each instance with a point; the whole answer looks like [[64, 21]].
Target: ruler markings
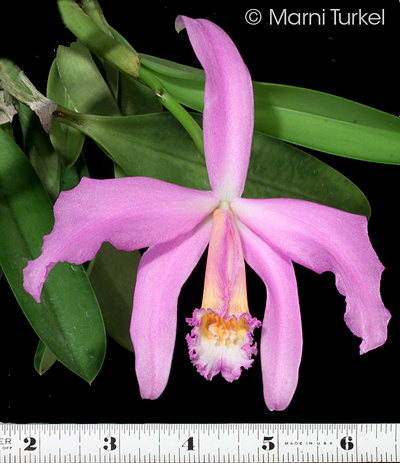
[[228, 443]]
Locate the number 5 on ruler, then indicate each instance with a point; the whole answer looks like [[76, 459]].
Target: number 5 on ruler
[[267, 444]]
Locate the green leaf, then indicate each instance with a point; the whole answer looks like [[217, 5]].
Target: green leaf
[[94, 38], [86, 89], [8, 128], [305, 117], [76, 83], [327, 123], [185, 83], [113, 277], [134, 98], [45, 160], [68, 320], [156, 145], [66, 140], [40, 152], [44, 358], [280, 170], [152, 145], [69, 178], [93, 9], [90, 27]]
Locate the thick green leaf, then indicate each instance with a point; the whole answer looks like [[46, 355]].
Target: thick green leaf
[[93, 9], [135, 98], [156, 145], [327, 123], [152, 145], [279, 170], [113, 277], [76, 83], [69, 178], [68, 320], [44, 158], [40, 152], [305, 117], [94, 38], [8, 128], [83, 82], [185, 83], [44, 358], [66, 140]]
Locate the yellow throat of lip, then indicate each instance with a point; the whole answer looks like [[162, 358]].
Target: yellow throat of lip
[[216, 330]]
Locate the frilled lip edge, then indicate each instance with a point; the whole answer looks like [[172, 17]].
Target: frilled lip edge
[[211, 359]]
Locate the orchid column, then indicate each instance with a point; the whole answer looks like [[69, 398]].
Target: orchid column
[[178, 223]]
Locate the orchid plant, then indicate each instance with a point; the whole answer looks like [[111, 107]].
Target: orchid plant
[[218, 181], [178, 223]]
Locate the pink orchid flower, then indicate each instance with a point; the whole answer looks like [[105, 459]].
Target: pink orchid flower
[[178, 223]]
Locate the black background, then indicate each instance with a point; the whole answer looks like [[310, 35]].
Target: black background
[[336, 383]]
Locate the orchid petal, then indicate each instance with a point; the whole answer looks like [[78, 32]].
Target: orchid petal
[[130, 213], [163, 270], [228, 116], [326, 239], [281, 336]]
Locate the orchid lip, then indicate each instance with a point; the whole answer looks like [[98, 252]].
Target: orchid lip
[[225, 290], [221, 340], [221, 344]]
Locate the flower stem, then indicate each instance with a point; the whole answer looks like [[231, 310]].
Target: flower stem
[[174, 107]]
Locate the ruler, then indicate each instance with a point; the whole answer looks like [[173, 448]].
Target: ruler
[[217, 443]]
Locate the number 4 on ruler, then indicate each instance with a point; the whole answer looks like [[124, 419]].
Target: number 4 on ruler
[[189, 444]]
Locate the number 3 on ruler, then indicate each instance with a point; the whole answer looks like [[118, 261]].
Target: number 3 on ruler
[[112, 445]]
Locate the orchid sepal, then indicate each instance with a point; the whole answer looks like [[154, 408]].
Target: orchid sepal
[[228, 115]]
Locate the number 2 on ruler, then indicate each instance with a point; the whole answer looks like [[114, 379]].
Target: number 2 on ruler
[[31, 441]]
